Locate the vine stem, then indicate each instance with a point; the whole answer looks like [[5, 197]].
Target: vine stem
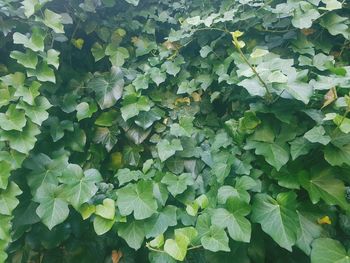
[[268, 93]]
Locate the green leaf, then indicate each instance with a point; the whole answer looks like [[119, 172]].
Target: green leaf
[[107, 118], [44, 170], [177, 184], [146, 119], [133, 105], [215, 240], [125, 176], [304, 15], [335, 24], [43, 73], [79, 187], [141, 82], [177, 248], [108, 87], [13, 119], [274, 154], [309, 230], [29, 7], [118, 58], [317, 135], [28, 94], [22, 141], [102, 225], [85, 110], [300, 146], [233, 218], [28, 59], [160, 222], [107, 209], [37, 112], [133, 233], [321, 183], [167, 149], [133, 2], [35, 42], [8, 200], [97, 51], [5, 170], [327, 250], [157, 75], [52, 210], [337, 156], [278, 218], [137, 198], [53, 21], [107, 137], [52, 58]]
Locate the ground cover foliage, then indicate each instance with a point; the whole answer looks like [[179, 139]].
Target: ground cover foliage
[[164, 131]]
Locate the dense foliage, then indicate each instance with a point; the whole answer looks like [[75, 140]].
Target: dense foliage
[[157, 131]]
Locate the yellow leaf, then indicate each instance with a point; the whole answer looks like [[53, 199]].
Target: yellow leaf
[[116, 160], [78, 43], [324, 220], [329, 97], [116, 256], [236, 34]]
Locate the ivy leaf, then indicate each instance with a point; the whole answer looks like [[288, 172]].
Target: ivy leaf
[[52, 210], [35, 42], [79, 186], [37, 112], [102, 225], [28, 94], [317, 134], [327, 250], [133, 2], [13, 119], [118, 58], [145, 119], [85, 110], [53, 21], [167, 149], [215, 239], [132, 106], [107, 209], [107, 137], [137, 198], [177, 248], [5, 170], [44, 170], [177, 184], [141, 82], [233, 218], [278, 218], [8, 200], [157, 75], [23, 141], [300, 146], [133, 233], [159, 223], [274, 154], [43, 73], [28, 59], [337, 156], [335, 24], [52, 58], [309, 230], [108, 88], [97, 51], [125, 176], [304, 15], [29, 7], [321, 183]]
